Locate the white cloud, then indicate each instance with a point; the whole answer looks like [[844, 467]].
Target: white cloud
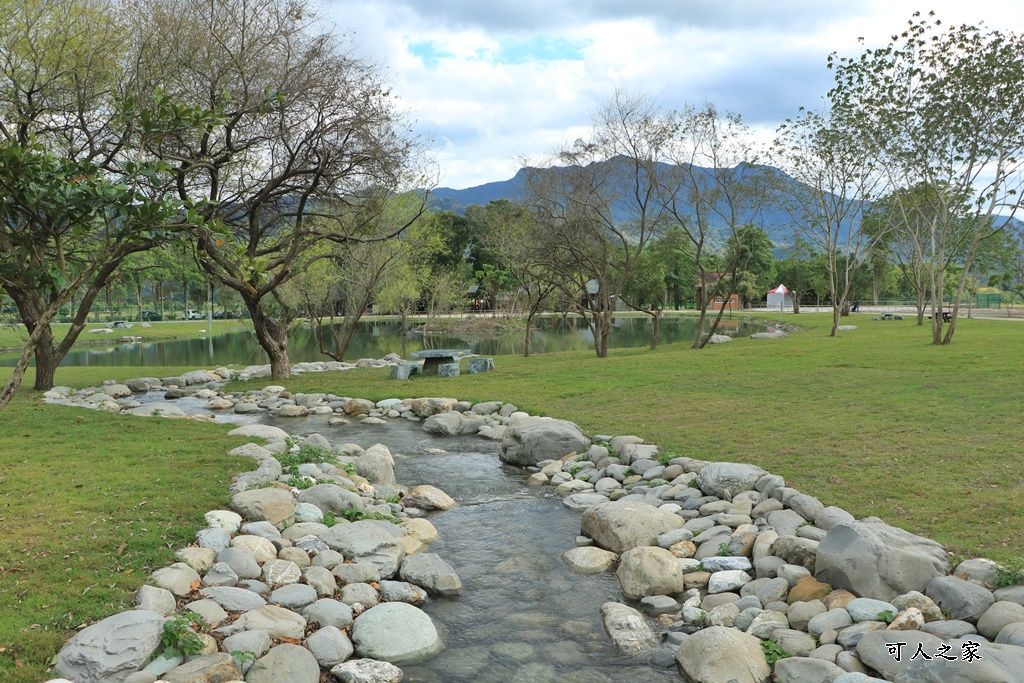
[[489, 81]]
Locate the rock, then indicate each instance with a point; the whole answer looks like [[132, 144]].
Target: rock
[[722, 655], [427, 497], [998, 616], [1011, 634], [278, 622], [272, 505], [395, 632], [628, 630], [959, 599], [286, 662], [356, 572], [159, 410], [909, 619], [878, 560], [796, 643], [377, 465], [293, 596], [402, 591], [808, 589], [200, 559], [179, 578], [256, 642], [647, 570], [281, 572], [619, 526], [432, 573], [223, 519], [801, 669], [328, 612], [330, 498], [260, 432], [530, 440], [797, 551], [833, 620], [211, 613], [766, 623], [215, 668], [234, 599], [367, 671], [866, 609], [330, 646], [589, 560], [997, 663], [727, 581], [111, 649], [366, 541], [718, 477], [157, 600]]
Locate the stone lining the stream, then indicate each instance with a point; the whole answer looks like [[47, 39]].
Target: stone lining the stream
[[721, 563]]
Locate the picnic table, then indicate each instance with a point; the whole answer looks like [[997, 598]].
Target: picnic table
[[434, 358]]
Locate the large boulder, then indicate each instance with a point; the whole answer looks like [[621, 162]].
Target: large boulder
[[717, 478], [621, 525], [996, 663], [260, 432], [112, 649], [395, 632], [425, 407], [722, 655], [877, 560], [647, 571], [432, 573], [330, 498], [377, 465], [273, 505], [529, 440], [368, 541], [453, 424]]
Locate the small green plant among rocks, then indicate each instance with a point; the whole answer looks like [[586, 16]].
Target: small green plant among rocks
[[1011, 573], [887, 616], [178, 636], [329, 519], [354, 514], [773, 652], [576, 469], [667, 456], [306, 454], [723, 550]]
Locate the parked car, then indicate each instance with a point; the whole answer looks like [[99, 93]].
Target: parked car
[[191, 315], [150, 316]]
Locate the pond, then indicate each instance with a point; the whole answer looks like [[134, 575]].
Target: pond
[[379, 338]]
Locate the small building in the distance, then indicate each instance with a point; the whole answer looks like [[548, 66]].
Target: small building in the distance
[[780, 298]]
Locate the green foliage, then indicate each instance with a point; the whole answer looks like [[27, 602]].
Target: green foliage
[[887, 616], [354, 514], [350, 469], [306, 454], [329, 519], [178, 635], [576, 469], [1010, 573], [665, 456], [723, 550], [773, 652]]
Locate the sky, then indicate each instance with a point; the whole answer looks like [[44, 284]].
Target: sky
[[488, 82]]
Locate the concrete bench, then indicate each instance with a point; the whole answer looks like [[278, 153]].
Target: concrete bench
[[476, 365], [405, 370]]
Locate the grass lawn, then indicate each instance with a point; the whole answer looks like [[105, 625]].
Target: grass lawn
[[878, 421]]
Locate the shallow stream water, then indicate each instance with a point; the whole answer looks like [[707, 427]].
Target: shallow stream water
[[523, 616]]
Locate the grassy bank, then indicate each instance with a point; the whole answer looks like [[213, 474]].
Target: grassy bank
[[878, 421]]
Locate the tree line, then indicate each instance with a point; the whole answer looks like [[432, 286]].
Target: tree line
[[249, 136]]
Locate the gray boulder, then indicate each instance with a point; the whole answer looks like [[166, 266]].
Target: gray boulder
[[959, 599], [619, 526], [396, 632], [997, 663], [367, 671], [272, 505], [376, 465], [998, 616], [112, 649], [429, 571], [878, 560], [530, 440], [806, 670], [719, 477], [285, 662], [330, 646], [234, 599], [331, 498], [367, 541], [260, 432], [216, 667], [722, 655], [648, 570]]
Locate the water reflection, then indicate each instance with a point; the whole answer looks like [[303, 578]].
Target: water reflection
[[379, 338]]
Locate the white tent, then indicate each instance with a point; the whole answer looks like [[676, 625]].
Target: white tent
[[780, 298]]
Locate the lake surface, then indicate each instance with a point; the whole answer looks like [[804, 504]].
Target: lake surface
[[377, 339]]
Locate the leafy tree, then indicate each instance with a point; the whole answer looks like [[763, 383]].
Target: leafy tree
[[510, 233], [304, 125], [645, 290], [595, 202], [674, 253], [944, 109], [750, 248], [797, 271]]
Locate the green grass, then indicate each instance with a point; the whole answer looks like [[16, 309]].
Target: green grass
[[877, 421]]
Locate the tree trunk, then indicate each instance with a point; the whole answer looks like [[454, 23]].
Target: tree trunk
[[273, 338], [796, 304], [7, 393], [47, 360], [529, 333], [656, 332], [835, 318]]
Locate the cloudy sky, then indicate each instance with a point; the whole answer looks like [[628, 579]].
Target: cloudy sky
[[491, 80]]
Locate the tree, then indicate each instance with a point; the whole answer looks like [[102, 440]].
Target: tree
[[645, 291], [674, 253], [797, 271], [595, 201], [512, 234], [751, 249], [712, 190], [837, 177], [304, 125], [944, 109]]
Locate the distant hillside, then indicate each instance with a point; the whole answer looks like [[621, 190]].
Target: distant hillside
[[774, 218]]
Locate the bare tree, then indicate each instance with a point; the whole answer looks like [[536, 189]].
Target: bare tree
[[712, 190], [837, 177], [595, 202], [303, 124]]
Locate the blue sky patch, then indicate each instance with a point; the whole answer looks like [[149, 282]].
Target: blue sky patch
[[542, 49]]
